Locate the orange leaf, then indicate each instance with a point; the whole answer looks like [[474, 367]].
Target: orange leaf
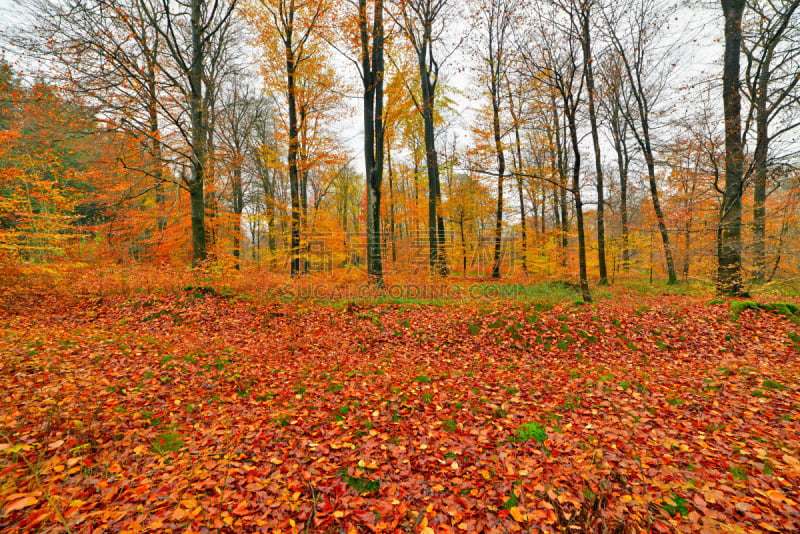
[[20, 504]]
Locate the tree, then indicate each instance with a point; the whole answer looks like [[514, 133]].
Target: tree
[[769, 60], [615, 101], [295, 22], [143, 61], [729, 237], [554, 62], [424, 22], [240, 115], [371, 40], [497, 18], [636, 45], [584, 12]]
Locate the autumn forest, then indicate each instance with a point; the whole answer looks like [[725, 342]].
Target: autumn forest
[[399, 266]]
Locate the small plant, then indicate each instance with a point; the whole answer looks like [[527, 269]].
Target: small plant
[[361, 485], [427, 398], [738, 472], [794, 337], [530, 431], [422, 379], [771, 384], [511, 502], [282, 421], [474, 329], [450, 425], [676, 505], [169, 441]]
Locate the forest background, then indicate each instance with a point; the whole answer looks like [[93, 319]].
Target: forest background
[[559, 140]]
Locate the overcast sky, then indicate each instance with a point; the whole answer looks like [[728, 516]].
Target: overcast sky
[[700, 31]]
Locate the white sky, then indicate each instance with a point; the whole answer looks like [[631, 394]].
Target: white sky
[[697, 61]]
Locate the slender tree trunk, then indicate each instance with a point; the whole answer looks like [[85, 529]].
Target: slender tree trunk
[[576, 194], [729, 244], [438, 262], [238, 207], [589, 75], [760, 171], [294, 150], [501, 169], [372, 70], [562, 190], [391, 203], [620, 147], [662, 226], [518, 165], [463, 246]]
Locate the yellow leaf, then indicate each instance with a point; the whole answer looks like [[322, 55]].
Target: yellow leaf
[[485, 474], [427, 530], [626, 498], [518, 516], [338, 514]]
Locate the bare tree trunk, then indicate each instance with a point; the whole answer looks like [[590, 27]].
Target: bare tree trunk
[[198, 136], [391, 203], [729, 247], [372, 72], [586, 43], [501, 168], [576, 194], [518, 165]]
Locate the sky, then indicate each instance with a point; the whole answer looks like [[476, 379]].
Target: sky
[[701, 49]]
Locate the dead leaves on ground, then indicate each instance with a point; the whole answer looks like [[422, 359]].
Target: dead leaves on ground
[[199, 413]]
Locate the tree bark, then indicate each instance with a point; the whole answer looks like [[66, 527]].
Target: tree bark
[[729, 237], [586, 44], [372, 72], [198, 136]]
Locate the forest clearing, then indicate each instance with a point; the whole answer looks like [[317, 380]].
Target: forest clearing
[[204, 410]]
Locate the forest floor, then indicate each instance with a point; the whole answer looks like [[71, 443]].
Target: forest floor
[[198, 411]]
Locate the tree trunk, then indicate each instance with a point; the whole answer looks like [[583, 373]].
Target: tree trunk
[[501, 169], [662, 226], [391, 203], [589, 75], [438, 262], [562, 190], [729, 237], [238, 207], [372, 71], [294, 149], [198, 153], [518, 166], [576, 194], [620, 147]]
